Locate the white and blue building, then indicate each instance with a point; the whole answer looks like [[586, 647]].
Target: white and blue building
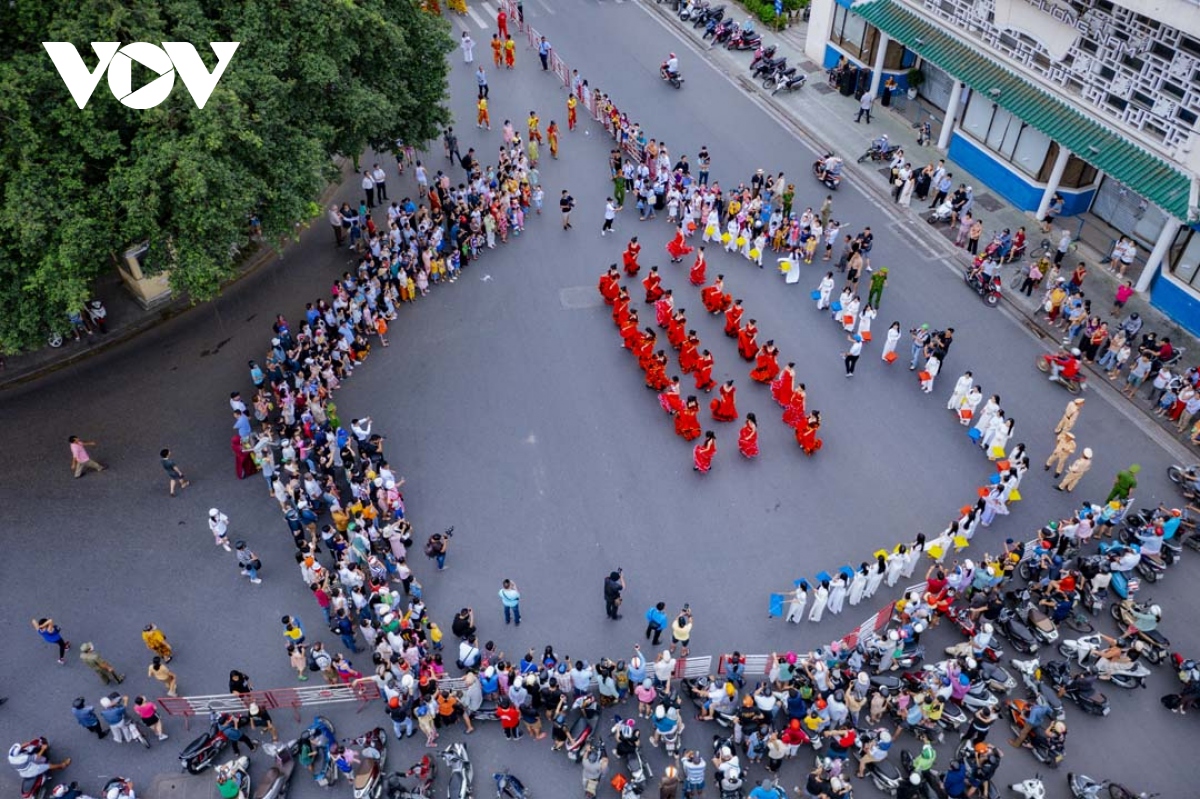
[[1094, 100]]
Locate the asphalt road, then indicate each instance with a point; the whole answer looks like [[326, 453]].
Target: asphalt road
[[516, 417]]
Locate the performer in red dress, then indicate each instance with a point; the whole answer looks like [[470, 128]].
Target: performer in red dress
[[748, 437], [644, 349], [671, 399], [696, 275], [733, 318], [620, 311], [713, 296], [630, 332], [793, 414], [678, 246], [610, 285], [703, 372], [656, 374], [663, 308], [807, 436], [677, 329], [781, 386], [630, 257], [702, 453], [653, 284], [689, 353], [766, 366], [724, 407], [687, 420], [747, 345]]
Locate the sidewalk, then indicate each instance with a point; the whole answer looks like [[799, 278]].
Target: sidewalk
[[126, 318], [821, 116]]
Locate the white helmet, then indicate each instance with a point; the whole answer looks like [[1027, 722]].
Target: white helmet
[[726, 753], [914, 778], [885, 737], [213, 512], [893, 635], [660, 712], [1156, 610], [971, 663], [1075, 351], [406, 683], [987, 628]]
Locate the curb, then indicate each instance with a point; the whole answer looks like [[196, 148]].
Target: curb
[[1148, 423], [176, 307]]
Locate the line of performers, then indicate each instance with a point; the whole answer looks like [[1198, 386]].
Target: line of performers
[[698, 362]]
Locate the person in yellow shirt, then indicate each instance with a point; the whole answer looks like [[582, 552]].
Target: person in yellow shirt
[[571, 118], [510, 53], [552, 136], [482, 120], [156, 642], [534, 123], [497, 49]]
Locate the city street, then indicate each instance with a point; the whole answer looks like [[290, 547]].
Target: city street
[[515, 416]]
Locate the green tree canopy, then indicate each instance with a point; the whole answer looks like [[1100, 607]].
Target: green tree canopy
[[311, 79]]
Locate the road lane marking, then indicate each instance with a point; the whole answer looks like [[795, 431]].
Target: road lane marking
[[473, 14]]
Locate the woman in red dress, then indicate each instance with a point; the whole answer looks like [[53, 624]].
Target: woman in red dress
[[663, 308], [714, 295], [807, 437], [630, 257], [656, 374], [243, 459], [630, 332], [748, 437], [724, 407], [766, 367], [610, 285], [703, 373], [653, 284], [702, 453], [677, 329], [793, 414], [678, 247], [620, 313], [687, 420], [689, 353], [644, 349], [781, 386], [696, 275], [747, 346], [671, 399], [733, 318]]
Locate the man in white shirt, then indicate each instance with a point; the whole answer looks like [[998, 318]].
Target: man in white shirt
[[380, 178], [368, 185], [335, 222], [610, 214], [361, 428]]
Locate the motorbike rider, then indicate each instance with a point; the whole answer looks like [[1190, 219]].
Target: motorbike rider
[[1065, 364], [120, 788], [984, 761], [671, 67], [666, 724], [1117, 657], [831, 166], [1144, 619], [1123, 560], [880, 145], [71, 791], [31, 759], [595, 765], [628, 737], [879, 745]]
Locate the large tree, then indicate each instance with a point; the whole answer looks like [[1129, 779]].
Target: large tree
[[311, 79]]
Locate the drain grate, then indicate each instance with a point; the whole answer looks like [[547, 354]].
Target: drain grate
[[987, 202], [811, 66], [821, 88]]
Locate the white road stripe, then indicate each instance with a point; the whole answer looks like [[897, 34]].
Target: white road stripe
[[491, 12], [458, 20], [473, 14], [549, 8]]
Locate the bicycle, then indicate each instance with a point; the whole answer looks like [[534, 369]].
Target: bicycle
[[1044, 250]]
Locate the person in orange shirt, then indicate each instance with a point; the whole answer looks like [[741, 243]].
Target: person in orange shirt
[[510, 53], [552, 137], [497, 49], [571, 119], [482, 120], [534, 123]]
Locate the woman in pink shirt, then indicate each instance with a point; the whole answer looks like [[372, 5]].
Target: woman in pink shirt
[[1124, 292]]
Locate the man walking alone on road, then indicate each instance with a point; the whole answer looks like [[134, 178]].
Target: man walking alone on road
[[510, 597], [81, 461], [864, 107], [614, 584]]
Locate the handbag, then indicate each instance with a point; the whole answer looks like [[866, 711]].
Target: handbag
[[836, 306], [816, 294]]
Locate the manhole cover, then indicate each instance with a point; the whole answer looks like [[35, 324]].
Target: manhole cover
[[987, 202], [822, 88], [810, 66]]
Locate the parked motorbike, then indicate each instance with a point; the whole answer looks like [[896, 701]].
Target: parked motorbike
[[1084, 787], [321, 738], [831, 178], [1041, 625], [785, 81], [461, 772], [122, 788], [509, 787], [203, 751], [943, 213], [424, 772], [697, 689], [692, 9], [581, 725], [880, 150], [1031, 674], [883, 773], [1014, 629], [368, 774], [675, 79], [1045, 749], [762, 54], [704, 16], [1073, 385], [767, 67], [987, 287], [1080, 688], [279, 776], [1032, 788], [1157, 646], [747, 38]]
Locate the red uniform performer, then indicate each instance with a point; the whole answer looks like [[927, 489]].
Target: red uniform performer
[[630, 257], [703, 372], [630, 332], [678, 246], [724, 407], [807, 436], [610, 286], [696, 275], [663, 309], [656, 373], [748, 437], [670, 399], [702, 453], [747, 345], [653, 285], [687, 422], [689, 354], [714, 296], [733, 318], [766, 366], [793, 414], [677, 330], [781, 386]]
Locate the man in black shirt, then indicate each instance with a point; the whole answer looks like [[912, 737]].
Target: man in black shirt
[[614, 584], [565, 204], [703, 161]]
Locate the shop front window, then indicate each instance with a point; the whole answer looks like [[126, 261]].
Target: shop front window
[[1185, 258]]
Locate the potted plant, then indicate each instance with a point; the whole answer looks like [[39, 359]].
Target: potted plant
[[915, 78]]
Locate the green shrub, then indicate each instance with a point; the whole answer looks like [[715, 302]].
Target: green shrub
[[764, 10]]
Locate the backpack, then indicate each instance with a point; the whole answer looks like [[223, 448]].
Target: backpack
[[430, 549]]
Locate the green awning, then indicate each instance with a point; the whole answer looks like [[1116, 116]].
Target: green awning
[[1144, 173]]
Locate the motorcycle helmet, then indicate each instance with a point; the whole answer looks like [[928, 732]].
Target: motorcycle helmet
[[981, 748], [648, 683], [659, 712], [885, 737], [394, 702], [988, 629], [60, 791], [406, 682], [972, 664], [593, 756], [1087, 452], [79, 703], [213, 513], [1075, 351], [1156, 610], [726, 754], [562, 668], [914, 778], [630, 723]]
